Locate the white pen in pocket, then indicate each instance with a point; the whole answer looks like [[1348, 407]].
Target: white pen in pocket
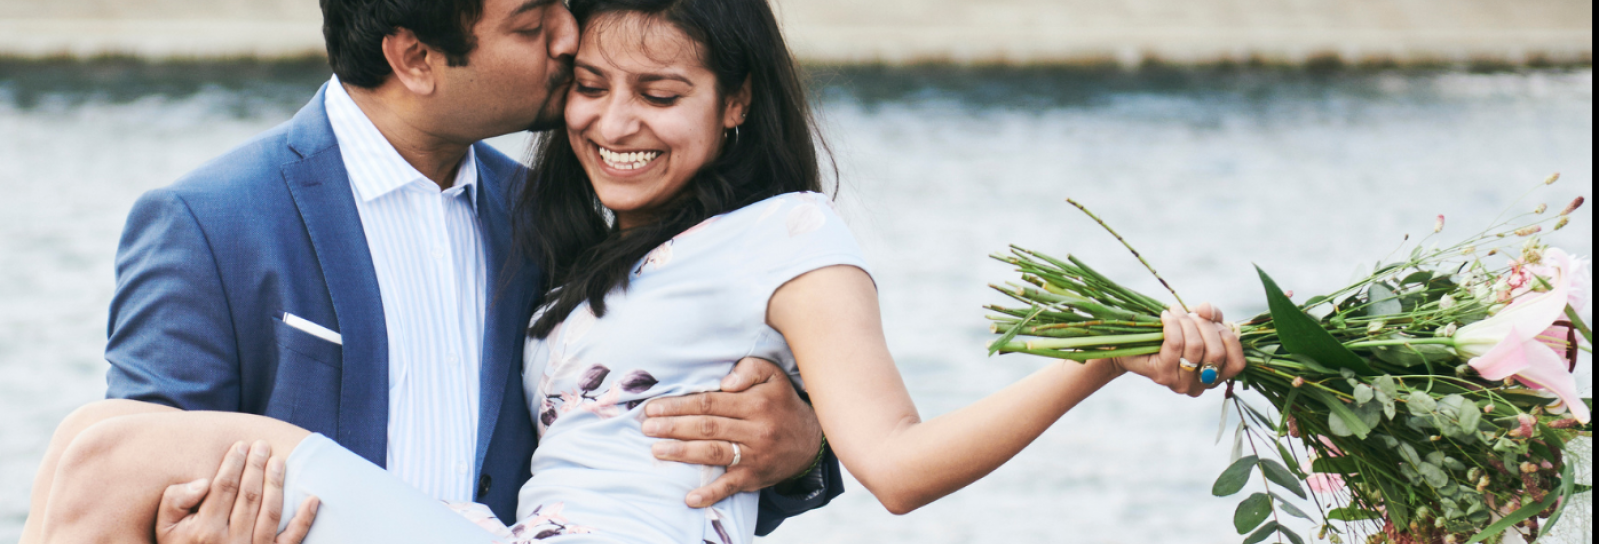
[[312, 329]]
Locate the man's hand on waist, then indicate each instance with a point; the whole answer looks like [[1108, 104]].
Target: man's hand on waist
[[758, 419]]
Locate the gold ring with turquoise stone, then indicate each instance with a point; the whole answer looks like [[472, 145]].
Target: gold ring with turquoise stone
[[1210, 375]]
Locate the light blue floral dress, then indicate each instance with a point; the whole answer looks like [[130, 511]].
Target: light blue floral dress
[[695, 307]]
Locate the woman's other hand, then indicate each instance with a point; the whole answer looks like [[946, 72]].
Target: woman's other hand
[[1195, 342]]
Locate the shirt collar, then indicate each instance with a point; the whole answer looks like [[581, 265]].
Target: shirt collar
[[374, 166]]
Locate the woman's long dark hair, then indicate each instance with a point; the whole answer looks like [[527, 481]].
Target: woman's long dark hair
[[560, 220]]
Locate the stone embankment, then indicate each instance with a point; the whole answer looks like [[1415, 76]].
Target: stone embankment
[[895, 32]]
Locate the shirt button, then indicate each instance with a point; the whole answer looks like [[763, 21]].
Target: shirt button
[[462, 469]]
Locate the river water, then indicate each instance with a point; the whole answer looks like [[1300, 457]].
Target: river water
[[1208, 171]]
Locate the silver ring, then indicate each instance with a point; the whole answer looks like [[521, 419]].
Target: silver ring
[[1187, 365], [738, 455]]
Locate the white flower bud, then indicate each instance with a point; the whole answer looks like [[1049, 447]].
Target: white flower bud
[[1542, 209], [1447, 302], [1450, 330]]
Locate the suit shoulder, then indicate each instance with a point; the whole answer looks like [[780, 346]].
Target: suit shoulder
[[505, 175], [245, 172]]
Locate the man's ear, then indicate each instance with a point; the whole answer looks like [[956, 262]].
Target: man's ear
[[738, 105], [409, 58]]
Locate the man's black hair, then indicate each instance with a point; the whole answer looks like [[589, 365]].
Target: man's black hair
[[354, 30]]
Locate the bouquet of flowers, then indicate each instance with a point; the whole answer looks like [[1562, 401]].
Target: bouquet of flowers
[[1431, 401]]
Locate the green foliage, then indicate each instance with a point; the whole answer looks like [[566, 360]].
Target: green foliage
[[1278, 474], [1352, 514], [1252, 512], [1235, 477], [1301, 334]]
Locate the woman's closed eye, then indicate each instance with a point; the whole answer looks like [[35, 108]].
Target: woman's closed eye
[[661, 100], [586, 90]]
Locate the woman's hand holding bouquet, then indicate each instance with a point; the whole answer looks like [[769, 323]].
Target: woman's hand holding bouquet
[[1432, 401]]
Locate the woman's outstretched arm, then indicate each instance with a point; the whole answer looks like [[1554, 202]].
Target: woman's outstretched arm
[[111, 463], [831, 320]]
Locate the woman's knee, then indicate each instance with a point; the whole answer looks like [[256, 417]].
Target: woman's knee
[[99, 411], [94, 442]]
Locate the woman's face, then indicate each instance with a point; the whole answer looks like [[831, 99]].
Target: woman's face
[[644, 113]]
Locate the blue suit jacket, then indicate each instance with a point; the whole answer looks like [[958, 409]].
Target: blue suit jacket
[[207, 268]]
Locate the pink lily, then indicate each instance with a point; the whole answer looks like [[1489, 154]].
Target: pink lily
[[1325, 484], [1513, 335]]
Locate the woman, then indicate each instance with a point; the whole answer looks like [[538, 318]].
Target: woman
[[679, 219]]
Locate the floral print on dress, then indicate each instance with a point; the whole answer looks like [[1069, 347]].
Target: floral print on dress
[[662, 256], [586, 398], [806, 218]]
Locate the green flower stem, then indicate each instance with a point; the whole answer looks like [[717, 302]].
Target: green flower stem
[[1407, 342], [1080, 356], [1576, 321], [1079, 343]]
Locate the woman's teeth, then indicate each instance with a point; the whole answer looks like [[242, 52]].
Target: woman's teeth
[[628, 161]]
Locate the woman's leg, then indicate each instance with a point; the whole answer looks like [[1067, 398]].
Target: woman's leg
[[74, 424], [109, 478]]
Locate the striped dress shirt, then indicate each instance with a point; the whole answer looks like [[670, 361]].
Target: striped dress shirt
[[427, 249]]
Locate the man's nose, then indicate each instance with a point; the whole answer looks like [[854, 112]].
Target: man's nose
[[563, 32]]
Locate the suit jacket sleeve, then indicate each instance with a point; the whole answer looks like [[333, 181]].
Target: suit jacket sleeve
[[813, 490], [171, 338]]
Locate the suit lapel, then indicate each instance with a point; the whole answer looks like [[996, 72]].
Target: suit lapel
[[321, 190], [510, 285]]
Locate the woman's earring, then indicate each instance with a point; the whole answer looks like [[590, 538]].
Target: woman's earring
[[735, 135]]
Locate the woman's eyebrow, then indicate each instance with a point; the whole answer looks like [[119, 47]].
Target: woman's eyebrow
[[651, 78], [588, 68]]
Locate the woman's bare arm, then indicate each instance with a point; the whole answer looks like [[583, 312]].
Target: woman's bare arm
[[831, 320]]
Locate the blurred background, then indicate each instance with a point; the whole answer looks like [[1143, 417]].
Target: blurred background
[[1306, 136]]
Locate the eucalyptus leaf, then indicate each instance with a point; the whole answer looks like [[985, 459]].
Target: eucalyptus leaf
[[1292, 536], [1387, 386], [1252, 512], [1301, 334], [1370, 414], [1409, 453], [1383, 301], [1364, 394], [1290, 509], [1343, 421], [1263, 533], [1235, 477], [1422, 404], [1281, 476], [1434, 475], [1417, 278]]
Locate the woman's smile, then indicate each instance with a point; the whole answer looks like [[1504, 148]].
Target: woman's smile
[[627, 163]]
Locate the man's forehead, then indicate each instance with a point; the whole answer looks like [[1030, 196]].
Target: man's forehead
[[514, 8]]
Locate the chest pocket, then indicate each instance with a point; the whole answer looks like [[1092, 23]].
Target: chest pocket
[[308, 380], [304, 344]]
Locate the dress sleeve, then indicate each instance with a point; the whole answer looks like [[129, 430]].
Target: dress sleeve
[[796, 234]]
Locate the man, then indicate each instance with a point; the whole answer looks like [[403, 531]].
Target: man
[[353, 271]]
